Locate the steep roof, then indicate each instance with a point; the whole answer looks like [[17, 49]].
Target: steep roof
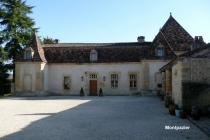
[[174, 38], [35, 44]]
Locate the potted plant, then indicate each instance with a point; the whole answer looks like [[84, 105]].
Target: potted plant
[[195, 113], [182, 115], [100, 93], [158, 94], [81, 92], [167, 102], [161, 97], [171, 109], [66, 85]]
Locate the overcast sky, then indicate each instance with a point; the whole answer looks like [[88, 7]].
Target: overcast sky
[[101, 21]]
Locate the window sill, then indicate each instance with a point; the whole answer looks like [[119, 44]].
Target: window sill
[[114, 87], [133, 88]]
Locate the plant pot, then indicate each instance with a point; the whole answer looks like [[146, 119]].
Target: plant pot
[[177, 111], [82, 94], [167, 103], [171, 109], [182, 115], [161, 98], [195, 115], [100, 94]]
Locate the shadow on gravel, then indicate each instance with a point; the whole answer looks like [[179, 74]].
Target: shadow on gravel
[[97, 119], [104, 118]]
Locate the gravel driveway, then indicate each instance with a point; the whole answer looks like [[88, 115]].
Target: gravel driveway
[[90, 118]]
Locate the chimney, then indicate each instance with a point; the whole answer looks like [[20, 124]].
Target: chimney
[[57, 41], [198, 42], [141, 39]]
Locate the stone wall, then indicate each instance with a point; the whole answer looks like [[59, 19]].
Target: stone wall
[[190, 70], [151, 76], [56, 73], [29, 79]]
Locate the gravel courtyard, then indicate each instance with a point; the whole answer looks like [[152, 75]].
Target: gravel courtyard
[[91, 118]]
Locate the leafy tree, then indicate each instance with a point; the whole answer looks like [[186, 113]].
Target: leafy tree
[[3, 70], [16, 27], [48, 40]]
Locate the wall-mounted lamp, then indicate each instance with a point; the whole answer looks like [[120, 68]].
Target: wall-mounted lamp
[[82, 78], [86, 72], [104, 78]]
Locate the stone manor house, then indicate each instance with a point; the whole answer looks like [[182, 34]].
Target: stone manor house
[[118, 68]]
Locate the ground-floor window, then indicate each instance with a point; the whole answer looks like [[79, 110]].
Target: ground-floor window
[[133, 80], [66, 82], [114, 81]]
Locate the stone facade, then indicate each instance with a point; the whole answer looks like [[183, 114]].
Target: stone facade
[[63, 68]]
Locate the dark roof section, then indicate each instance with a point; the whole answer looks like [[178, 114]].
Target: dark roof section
[[174, 37], [107, 52], [201, 52], [35, 44]]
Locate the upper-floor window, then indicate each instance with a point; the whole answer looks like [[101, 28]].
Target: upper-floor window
[[159, 52], [93, 55], [29, 52], [114, 80]]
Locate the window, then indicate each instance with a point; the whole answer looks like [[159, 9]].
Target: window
[[93, 55], [159, 85], [28, 55], [29, 52], [160, 52], [93, 76], [133, 80], [114, 81], [66, 82]]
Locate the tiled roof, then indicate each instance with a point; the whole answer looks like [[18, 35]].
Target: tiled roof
[[107, 52], [173, 37], [201, 52], [35, 44]]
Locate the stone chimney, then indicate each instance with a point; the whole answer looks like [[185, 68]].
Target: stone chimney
[[141, 39], [57, 41], [198, 42]]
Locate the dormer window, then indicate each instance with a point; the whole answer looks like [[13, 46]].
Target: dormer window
[[29, 52], [93, 55], [28, 55], [159, 50]]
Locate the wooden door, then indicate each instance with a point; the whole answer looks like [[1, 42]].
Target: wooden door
[[93, 87]]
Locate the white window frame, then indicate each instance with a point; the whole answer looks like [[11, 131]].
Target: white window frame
[[114, 81], [93, 52], [133, 80], [93, 76], [28, 50]]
